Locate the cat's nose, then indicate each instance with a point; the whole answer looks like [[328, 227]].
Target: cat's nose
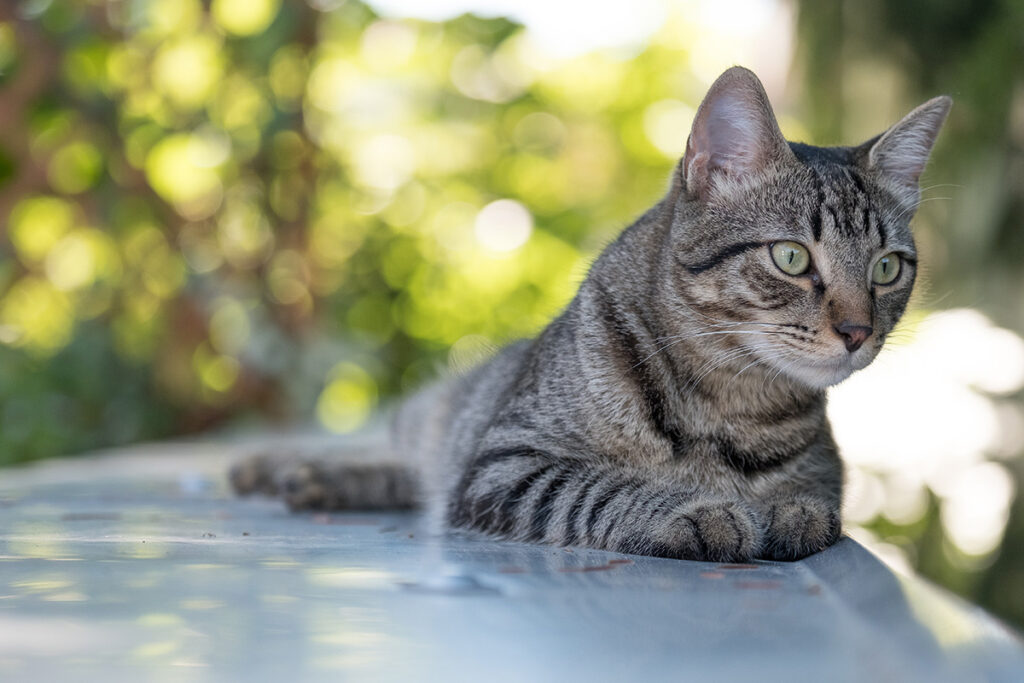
[[852, 335]]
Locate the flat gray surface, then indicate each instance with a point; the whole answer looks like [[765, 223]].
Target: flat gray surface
[[142, 567]]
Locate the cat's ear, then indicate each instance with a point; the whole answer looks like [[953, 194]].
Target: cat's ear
[[899, 155], [734, 135]]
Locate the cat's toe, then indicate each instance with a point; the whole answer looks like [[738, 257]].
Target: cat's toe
[[799, 527], [713, 532], [302, 487]]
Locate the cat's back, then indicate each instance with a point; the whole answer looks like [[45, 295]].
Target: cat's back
[[445, 419]]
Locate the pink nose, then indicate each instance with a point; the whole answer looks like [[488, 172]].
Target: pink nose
[[853, 335]]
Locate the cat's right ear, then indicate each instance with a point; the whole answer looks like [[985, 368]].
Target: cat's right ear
[[900, 154], [734, 135]]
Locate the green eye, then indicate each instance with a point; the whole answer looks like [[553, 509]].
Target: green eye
[[886, 269], [791, 258]]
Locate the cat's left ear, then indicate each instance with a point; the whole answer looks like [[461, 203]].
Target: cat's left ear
[[899, 155]]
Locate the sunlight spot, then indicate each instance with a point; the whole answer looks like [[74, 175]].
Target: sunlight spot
[[217, 372], [69, 596], [176, 168], [387, 45], [384, 162], [350, 578], [503, 225], [348, 399], [667, 126], [80, 258], [37, 223], [188, 70], [160, 620], [172, 16], [976, 507], [36, 315], [245, 17], [155, 649]]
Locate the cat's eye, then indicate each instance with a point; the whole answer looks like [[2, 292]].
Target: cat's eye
[[886, 269], [791, 258]]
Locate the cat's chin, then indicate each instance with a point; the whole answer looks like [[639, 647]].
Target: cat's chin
[[821, 374]]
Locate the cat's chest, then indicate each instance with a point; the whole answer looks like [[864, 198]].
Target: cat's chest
[[748, 433]]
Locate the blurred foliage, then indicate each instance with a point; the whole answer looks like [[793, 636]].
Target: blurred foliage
[[234, 211], [256, 209]]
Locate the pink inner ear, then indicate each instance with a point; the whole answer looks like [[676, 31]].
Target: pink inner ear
[[735, 137]]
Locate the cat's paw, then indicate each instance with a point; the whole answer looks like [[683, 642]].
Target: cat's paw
[[254, 474], [303, 486], [798, 527], [710, 531]]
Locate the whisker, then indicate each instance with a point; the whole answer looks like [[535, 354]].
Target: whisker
[[715, 364], [705, 334], [932, 187], [730, 325]]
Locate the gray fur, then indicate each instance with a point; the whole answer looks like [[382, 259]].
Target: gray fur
[[676, 407]]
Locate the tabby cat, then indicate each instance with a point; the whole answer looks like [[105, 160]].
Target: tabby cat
[[676, 407]]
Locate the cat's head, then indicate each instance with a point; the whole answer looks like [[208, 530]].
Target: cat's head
[[802, 256]]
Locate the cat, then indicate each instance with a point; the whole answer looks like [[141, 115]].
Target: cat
[[676, 407]]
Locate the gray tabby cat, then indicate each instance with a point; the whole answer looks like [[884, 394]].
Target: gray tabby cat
[[676, 408]]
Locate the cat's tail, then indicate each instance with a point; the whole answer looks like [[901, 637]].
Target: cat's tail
[[339, 478]]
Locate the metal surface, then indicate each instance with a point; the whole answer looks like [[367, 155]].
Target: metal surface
[[142, 567]]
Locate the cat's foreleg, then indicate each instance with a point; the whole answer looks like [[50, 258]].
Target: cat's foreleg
[[526, 495], [801, 510]]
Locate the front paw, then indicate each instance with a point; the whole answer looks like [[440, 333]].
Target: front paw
[[798, 527], [304, 486], [710, 531]]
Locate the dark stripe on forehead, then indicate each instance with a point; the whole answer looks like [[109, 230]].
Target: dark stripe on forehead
[[721, 256], [868, 214], [816, 220], [855, 176], [871, 216], [836, 223]]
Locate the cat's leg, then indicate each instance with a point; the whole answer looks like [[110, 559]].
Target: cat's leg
[[259, 473], [307, 482], [339, 485], [526, 495]]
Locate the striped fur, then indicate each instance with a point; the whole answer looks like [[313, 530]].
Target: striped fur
[[676, 407]]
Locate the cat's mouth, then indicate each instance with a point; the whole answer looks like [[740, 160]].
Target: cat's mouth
[[823, 372]]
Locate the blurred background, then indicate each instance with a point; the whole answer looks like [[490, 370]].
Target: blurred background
[[252, 214]]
